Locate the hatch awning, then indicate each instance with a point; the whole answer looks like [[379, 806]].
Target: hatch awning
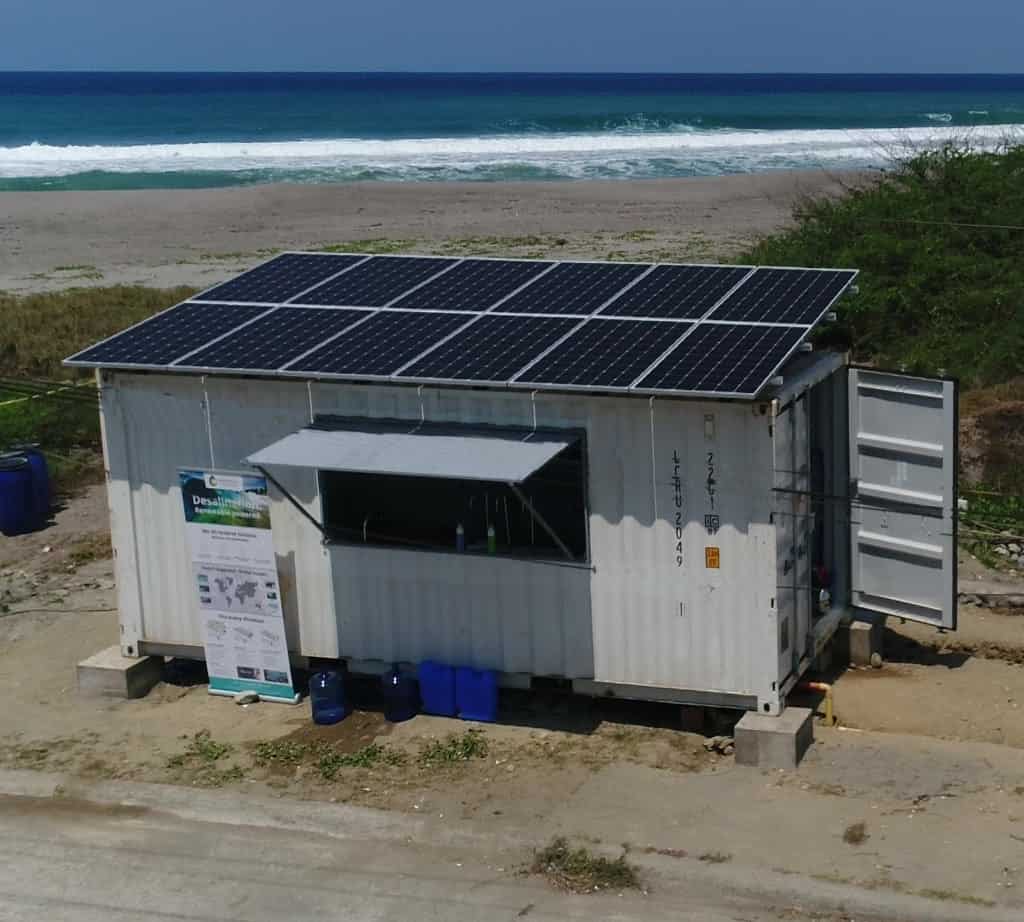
[[421, 450]]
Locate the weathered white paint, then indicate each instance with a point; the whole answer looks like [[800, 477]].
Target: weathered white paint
[[636, 617]]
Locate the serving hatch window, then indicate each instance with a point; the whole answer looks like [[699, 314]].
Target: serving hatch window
[[542, 517]]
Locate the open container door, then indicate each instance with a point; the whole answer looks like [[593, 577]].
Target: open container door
[[903, 495]]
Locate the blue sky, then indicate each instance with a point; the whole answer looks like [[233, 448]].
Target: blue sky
[[538, 35]]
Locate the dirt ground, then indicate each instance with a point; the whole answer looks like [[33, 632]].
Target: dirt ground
[[992, 434], [601, 772]]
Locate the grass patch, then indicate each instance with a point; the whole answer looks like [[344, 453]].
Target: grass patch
[[991, 514], [831, 877], [855, 834], [81, 271], [666, 852], [328, 761], [200, 759], [202, 748], [371, 245], [494, 245], [639, 235], [715, 857], [935, 294], [236, 255], [279, 752], [41, 330], [95, 546], [896, 886], [331, 762], [456, 747], [953, 896], [67, 431], [580, 871]]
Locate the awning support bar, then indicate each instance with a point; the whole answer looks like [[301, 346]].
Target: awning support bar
[[539, 519], [291, 499]]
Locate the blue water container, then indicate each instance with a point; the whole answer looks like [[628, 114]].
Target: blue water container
[[476, 694], [40, 492], [401, 695], [437, 688], [327, 696], [15, 494]]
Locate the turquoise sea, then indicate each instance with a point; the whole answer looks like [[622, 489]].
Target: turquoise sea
[[172, 130]]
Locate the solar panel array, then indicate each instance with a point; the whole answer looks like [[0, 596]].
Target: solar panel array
[[608, 327]]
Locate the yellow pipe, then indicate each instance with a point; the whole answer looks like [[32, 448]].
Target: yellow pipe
[[826, 689]]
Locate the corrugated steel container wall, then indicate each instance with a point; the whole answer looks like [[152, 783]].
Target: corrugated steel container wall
[[160, 423], [516, 616], [651, 612]]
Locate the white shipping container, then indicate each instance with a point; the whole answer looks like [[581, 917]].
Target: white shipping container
[[710, 528]]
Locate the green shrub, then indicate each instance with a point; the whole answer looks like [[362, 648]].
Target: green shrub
[[938, 292]]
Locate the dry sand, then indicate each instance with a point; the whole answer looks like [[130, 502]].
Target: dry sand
[[51, 240]]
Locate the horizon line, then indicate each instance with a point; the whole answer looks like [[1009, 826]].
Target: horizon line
[[514, 73]]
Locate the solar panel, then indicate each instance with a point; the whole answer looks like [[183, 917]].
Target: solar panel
[[724, 358], [167, 336], [676, 291], [376, 282], [784, 296], [680, 329], [572, 288], [492, 348], [604, 353], [381, 345], [472, 285], [273, 340], [281, 278]]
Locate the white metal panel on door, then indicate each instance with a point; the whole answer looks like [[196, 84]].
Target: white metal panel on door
[[903, 495]]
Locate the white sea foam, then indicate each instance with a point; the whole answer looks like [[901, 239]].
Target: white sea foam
[[612, 153], [945, 117]]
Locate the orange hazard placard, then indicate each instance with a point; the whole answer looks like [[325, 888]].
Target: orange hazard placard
[[712, 558]]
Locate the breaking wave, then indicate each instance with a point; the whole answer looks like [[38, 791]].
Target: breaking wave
[[621, 153]]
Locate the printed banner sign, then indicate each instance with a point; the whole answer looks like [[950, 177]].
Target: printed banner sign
[[234, 574]]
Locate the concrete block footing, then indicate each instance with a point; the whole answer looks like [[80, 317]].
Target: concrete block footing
[[111, 675], [861, 642], [774, 742]]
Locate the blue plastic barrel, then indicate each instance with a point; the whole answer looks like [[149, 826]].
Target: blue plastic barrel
[[401, 695], [437, 688], [476, 694], [40, 492], [327, 697], [15, 494]]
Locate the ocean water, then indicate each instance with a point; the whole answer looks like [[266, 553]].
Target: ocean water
[[167, 130]]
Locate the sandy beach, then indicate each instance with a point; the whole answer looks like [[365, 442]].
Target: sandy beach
[[55, 240]]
